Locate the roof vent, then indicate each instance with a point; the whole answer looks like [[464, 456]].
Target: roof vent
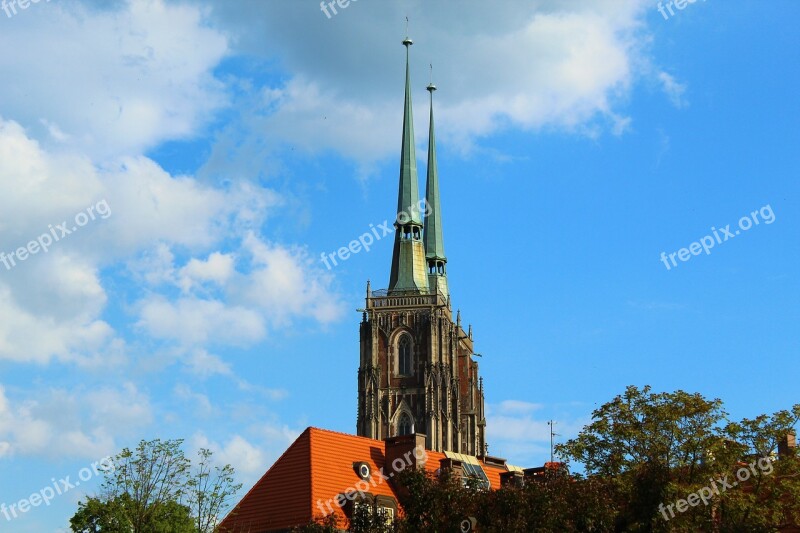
[[362, 469]]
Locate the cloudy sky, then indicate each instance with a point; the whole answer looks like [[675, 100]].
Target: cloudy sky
[[189, 162]]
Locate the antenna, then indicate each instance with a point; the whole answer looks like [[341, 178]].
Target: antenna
[[552, 434]]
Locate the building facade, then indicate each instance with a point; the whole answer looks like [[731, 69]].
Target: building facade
[[416, 373]]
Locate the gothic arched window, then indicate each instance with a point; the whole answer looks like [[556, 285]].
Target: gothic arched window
[[404, 425], [404, 356]]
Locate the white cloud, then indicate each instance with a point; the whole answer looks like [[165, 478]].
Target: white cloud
[[285, 282], [523, 436], [112, 80], [37, 338], [195, 321], [271, 394], [52, 303], [217, 269], [204, 364], [529, 65], [673, 89], [151, 206], [154, 266], [278, 284], [202, 405], [118, 408], [246, 458], [38, 188], [517, 407], [71, 423]]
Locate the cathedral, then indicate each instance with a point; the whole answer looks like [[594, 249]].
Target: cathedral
[[420, 399], [416, 373]]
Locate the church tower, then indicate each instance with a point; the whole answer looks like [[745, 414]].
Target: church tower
[[416, 373]]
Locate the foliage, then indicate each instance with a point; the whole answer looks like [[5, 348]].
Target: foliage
[[113, 516], [326, 524], [209, 492], [657, 449], [642, 453], [154, 489]]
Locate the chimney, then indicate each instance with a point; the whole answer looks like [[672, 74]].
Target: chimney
[[405, 451], [512, 479], [787, 446], [534, 474], [453, 466], [493, 461]]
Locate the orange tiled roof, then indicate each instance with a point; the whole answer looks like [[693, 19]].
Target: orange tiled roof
[[280, 498], [333, 455], [304, 482]]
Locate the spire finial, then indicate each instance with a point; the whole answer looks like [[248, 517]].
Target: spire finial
[[407, 41], [431, 87]]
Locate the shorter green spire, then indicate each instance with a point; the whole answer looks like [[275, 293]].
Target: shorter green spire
[[434, 239]]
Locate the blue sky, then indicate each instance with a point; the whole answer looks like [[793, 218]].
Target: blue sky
[[235, 142]]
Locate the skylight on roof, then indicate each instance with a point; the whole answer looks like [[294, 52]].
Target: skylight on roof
[[475, 472]]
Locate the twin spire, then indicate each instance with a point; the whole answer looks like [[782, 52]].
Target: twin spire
[[418, 264]]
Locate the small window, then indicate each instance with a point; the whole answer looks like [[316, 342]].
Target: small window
[[387, 513], [475, 476], [404, 356], [404, 425]]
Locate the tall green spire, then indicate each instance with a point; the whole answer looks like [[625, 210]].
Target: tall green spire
[[434, 241], [408, 258], [408, 197]]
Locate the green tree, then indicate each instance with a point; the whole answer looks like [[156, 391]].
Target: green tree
[[643, 442], [154, 489], [210, 490], [95, 516], [642, 452], [434, 503], [771, 496], [667, 430], [113, 516], [326, 524], [657, 449], [554, 502]]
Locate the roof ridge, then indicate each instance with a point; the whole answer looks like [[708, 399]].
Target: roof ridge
[[323, 430]]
